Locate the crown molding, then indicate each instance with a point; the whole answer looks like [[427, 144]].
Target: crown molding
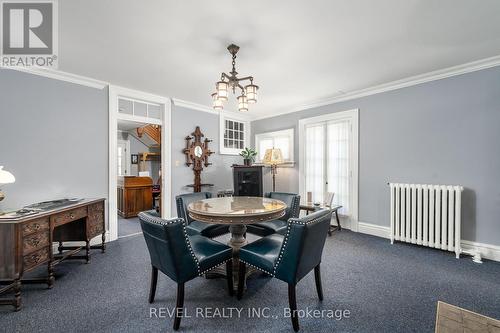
[[204, 108], [63, 76], [394, 85]]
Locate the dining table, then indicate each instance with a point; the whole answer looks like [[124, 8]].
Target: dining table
[[236, 212]]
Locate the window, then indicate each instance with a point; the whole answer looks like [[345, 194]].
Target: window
[[279, 139], [234, 135], [127, 106], [329, 162]]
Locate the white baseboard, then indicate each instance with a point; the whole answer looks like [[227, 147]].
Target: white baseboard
[[488, 251], [374, 230]]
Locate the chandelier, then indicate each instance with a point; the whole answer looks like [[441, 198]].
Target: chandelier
[[227, 82]]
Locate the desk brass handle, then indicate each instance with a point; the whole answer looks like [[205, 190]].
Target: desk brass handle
[[72, 216]]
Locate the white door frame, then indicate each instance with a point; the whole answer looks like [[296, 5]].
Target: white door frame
[[353, 116], [166, 185]]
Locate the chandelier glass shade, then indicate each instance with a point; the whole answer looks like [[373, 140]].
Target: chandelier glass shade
[[232, 82], [217, 103], [242, 103]]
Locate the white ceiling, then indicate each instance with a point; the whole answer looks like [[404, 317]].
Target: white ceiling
[[298, 51]]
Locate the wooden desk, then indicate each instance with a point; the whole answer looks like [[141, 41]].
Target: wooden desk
[[311, 207], [26, 242]]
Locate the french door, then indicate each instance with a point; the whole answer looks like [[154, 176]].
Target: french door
[[329, 158]]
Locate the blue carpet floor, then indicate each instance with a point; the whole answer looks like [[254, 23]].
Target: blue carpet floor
[[385, 288], [127, 227]]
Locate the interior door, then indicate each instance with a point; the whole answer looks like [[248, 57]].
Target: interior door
[[122, 153]]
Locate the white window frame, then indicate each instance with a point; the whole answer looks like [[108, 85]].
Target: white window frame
[[290, 133], [353, 116], [225, 115]]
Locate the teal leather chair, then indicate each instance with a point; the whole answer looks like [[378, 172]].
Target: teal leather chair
[[179, 256], [278, 226], [197, 227], [290, 257]]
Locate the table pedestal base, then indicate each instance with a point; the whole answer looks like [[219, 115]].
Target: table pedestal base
[[237, 240]]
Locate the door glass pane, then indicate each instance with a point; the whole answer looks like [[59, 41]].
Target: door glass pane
[[315, 161], [338, 163]]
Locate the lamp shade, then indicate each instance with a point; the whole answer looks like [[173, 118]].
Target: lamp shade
[[251, 93], [242, 103], [217, 103], [222, 90], [273, 156], [6, 177]]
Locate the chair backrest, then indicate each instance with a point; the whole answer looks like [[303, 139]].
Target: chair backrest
[[169, 246], [303, 246], [183, 200], [329, 199], [292, 201]]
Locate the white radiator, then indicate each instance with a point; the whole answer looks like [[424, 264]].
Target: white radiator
[[427, 215]]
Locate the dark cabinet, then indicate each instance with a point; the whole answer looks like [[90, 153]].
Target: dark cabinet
[[247, 181]]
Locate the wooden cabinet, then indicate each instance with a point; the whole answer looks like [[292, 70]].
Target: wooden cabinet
[[135, 194], [247, 181]]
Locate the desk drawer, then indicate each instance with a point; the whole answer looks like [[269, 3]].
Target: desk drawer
[[33, 259], [35, 241], [71, 215], [35, 226]]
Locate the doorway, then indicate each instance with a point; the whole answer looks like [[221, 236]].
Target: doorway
[[139, 158], [138, 173], [329, 162]]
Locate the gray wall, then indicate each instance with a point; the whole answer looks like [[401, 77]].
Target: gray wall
[[440, 132], [184, 122], [53, 138]]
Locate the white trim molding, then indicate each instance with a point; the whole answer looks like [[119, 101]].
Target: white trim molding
[[393, 85], [374, 230], [487, 251], [63, 76], [115, 92], [353, 117]]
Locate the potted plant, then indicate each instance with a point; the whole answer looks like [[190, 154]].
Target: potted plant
[[248, 155]]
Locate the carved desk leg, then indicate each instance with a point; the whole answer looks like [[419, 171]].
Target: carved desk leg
[[87, 251], [17, 295], [103, 245], [50, 279]]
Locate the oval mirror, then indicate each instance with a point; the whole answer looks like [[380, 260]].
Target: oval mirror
[[198, 152]]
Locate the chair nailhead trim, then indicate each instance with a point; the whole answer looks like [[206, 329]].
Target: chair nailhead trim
[[287, 236], [209, 269], [152, 219], [258, 268]]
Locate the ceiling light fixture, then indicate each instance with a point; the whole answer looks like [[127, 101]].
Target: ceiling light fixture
[[248, 92]]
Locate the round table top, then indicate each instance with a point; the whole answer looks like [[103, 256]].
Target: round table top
[[236, 210]]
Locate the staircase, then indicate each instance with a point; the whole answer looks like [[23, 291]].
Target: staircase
[[150, 135]]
